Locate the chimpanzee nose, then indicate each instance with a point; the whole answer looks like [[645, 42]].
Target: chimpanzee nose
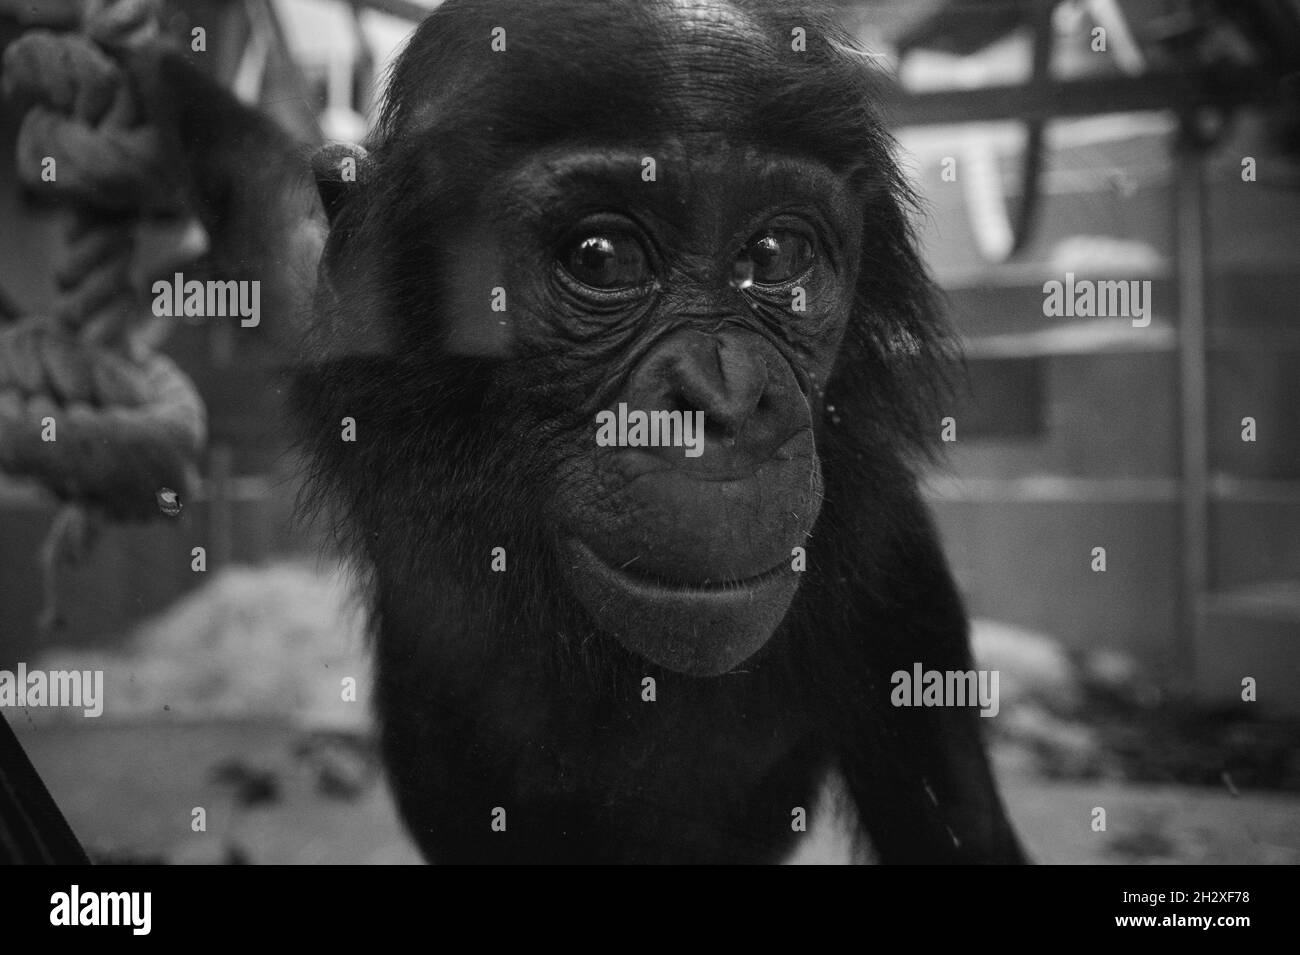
[[729, 376], [722, 378]]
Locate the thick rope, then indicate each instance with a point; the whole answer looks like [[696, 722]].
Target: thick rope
[[127, 424]]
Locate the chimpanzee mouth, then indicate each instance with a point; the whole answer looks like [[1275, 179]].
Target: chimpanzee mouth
[[634, 578], [699, 628]]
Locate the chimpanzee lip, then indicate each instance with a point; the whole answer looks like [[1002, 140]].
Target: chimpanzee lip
[[700, 630], [654, 583]]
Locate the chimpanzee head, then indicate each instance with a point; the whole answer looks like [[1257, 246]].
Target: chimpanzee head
[[574, 218]]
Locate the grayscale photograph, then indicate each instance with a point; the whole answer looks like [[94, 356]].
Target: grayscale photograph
[[651, 432]]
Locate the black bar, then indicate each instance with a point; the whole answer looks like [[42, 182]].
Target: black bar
[[32, 830]]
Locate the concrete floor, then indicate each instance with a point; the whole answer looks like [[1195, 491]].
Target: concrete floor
[[129, 791]]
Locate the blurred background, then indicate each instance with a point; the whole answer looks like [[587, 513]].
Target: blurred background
[[1152, 140]]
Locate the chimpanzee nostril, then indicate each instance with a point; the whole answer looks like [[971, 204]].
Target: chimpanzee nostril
[[722, 378]]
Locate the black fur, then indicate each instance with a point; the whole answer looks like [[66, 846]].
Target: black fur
[[495, 690]]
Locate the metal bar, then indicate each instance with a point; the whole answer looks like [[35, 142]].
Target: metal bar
[[1051, 489], [1056, 100], [1067, 489], [403, 9], [1191, 265], [221, 509]]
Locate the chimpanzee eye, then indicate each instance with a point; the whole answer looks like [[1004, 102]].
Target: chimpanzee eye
[[778, 255], [606, 261]]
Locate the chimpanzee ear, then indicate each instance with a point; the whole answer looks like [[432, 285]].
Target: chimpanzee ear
[[341, 170]]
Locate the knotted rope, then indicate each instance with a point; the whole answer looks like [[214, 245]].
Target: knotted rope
[[127, 424]]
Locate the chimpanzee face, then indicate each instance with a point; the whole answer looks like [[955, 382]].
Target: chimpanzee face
[[701, 289], [650, 273]]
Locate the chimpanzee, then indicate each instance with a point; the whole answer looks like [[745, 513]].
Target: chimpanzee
[[629, 653], [594, 651]]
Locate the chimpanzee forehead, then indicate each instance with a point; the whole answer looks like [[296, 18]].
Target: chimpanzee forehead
[[673, 63], [567, 70]]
